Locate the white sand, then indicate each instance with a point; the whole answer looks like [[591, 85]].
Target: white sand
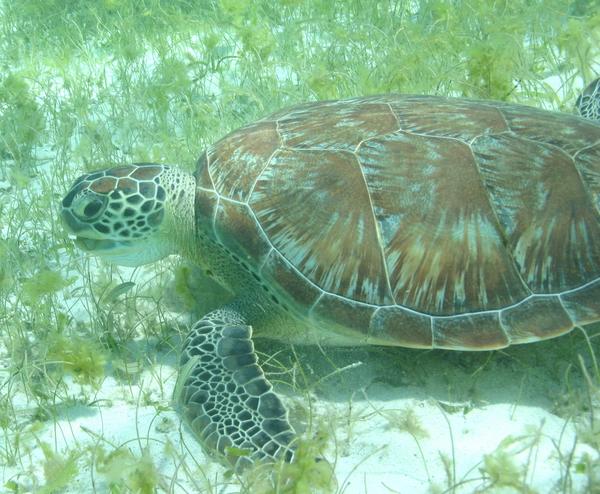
[[512, 405]]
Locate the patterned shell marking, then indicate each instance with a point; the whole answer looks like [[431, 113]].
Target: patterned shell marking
[[417, 220]]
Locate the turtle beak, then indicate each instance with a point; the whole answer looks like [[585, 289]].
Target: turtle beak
[[71, 223], [87, 244]]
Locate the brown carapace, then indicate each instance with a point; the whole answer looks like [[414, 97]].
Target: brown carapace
[[419, 221]]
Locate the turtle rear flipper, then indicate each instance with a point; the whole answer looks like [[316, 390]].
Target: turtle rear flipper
[[588, 102], [225, 397]]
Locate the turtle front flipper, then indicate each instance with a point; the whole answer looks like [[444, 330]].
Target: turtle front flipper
[[225, 397]]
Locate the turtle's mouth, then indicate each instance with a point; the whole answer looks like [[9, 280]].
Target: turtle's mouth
[[86, 238], [96, 244]]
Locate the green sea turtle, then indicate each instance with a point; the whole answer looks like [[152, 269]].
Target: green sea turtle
[[417, 221]]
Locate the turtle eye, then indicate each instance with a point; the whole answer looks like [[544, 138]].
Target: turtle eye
[[89, 207]]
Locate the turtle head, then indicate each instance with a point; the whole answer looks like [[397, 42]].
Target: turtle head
[[130, 215]]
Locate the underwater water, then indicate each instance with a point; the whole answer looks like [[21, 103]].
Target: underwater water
[[88, 350]]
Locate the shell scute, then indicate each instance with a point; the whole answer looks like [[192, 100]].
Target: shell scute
[[343, 128], [583, 304], [351, 317], [237, 160], [278, 271], [304, 205], [205, 207], [234, 221], [460, 119], [444, 251], [536, 318], [202, 174], [551, 227], [481, 331], [586, 162], [398, 326], [567, 132]]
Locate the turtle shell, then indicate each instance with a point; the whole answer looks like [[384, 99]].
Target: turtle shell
[[418, 221]]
